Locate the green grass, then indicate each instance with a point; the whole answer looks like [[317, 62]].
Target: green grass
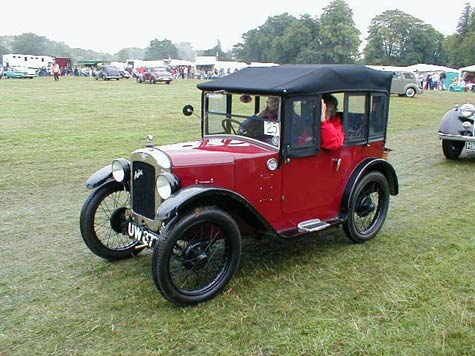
[[410, 291]]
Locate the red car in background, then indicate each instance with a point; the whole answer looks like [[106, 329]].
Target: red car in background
[[155, 75], [194, 202]]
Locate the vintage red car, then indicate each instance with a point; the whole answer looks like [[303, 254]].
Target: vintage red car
[[155, 75], [194, 202]]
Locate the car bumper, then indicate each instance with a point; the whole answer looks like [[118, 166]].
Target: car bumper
[[443, 136]]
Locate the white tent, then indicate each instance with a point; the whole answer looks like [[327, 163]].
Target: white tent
[[422, 67], [468, 69], [389, 68]]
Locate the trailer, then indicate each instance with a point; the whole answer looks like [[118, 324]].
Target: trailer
[[29, 61]]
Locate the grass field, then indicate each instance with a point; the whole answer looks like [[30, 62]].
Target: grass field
[[410, 291]]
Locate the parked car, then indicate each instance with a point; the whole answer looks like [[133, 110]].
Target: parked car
[[124, 74], [155, 75], [194, 202], [405, 84], [108, 73], [20, 73], [457, 131]]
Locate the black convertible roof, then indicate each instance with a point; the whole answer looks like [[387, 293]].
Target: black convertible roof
[[302, 79]]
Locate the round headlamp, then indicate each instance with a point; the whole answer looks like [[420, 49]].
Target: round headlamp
[[120, 169], [466, 125], [467, 110], [167, 184]]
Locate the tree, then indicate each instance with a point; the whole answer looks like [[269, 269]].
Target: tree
[[185, 51], [264, 43], [339, 36], [29, 43], [218, 52], [396, 38], [130, 53], [463, 24], [459, 47], [160, 50]]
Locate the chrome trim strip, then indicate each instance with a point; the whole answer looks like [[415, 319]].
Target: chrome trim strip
[[456, 137]]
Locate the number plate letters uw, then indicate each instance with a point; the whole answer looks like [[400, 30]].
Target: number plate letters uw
[[143, 236]]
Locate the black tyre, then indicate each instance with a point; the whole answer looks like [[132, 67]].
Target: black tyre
[[103, 222], [452, 149], [197, 256], [410, 92], [368, 207]]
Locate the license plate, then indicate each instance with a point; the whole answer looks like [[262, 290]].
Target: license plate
[[470, 146], [142, 235]]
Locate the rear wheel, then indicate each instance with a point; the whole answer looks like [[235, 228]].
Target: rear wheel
[[103, 222], [197, 256], [452, 149], [368, 207]]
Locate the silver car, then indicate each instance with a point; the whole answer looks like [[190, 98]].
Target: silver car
[[405, 84]]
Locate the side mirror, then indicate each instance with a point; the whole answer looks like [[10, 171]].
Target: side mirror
[[188, 110]]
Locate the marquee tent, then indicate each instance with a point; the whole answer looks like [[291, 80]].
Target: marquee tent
[[423, 67], [468, 69]]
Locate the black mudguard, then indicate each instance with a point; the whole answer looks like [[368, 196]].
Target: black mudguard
[[100, 177], [372, 164]]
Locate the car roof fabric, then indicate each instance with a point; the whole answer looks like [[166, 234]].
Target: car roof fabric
[[302, 79]]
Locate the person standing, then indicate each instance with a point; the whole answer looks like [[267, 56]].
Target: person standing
[[56, 71]]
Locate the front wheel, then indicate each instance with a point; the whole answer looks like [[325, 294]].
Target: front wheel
[[103, 222], [368, 207], [410, 92], [197, 256], [452, 149]]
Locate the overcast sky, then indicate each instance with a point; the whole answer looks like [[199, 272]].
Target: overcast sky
[[109, 26]]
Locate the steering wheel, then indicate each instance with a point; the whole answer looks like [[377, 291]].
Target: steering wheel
[[228, 127]]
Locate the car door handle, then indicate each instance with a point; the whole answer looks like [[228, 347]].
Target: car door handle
[[338, 162]]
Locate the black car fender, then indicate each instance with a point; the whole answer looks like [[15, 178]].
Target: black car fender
[[200, 195], [100, 177], [451, 122], [371, 164]]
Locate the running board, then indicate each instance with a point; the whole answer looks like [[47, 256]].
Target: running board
[[312, 225]]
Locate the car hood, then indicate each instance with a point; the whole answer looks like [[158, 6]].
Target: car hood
[[214, 151]]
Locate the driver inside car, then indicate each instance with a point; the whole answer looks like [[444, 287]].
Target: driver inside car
[[254, 126]]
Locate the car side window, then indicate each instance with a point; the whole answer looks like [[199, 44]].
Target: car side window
[[377, 122], [303, 132], [355, 119], [302, 126]]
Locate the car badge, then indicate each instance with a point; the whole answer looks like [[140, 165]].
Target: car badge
[[150, 140], [137, 174]]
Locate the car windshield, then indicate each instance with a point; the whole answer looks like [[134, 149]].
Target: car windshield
[[256, 117]]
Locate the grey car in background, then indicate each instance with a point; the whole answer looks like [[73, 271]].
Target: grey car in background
[[405, 84]]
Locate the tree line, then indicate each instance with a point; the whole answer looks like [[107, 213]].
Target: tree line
[[394, 38]]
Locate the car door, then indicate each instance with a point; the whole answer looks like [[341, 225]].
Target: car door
[[313, 179]]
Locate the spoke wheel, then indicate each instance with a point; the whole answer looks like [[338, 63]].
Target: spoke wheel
[[103, 222], [368, 208], [197, 256]]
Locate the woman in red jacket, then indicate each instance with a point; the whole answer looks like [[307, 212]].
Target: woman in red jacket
[[332, 131]]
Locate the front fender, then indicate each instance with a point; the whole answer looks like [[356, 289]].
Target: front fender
[[100, 177], [451, 123], [200, 195], [372, 164]]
